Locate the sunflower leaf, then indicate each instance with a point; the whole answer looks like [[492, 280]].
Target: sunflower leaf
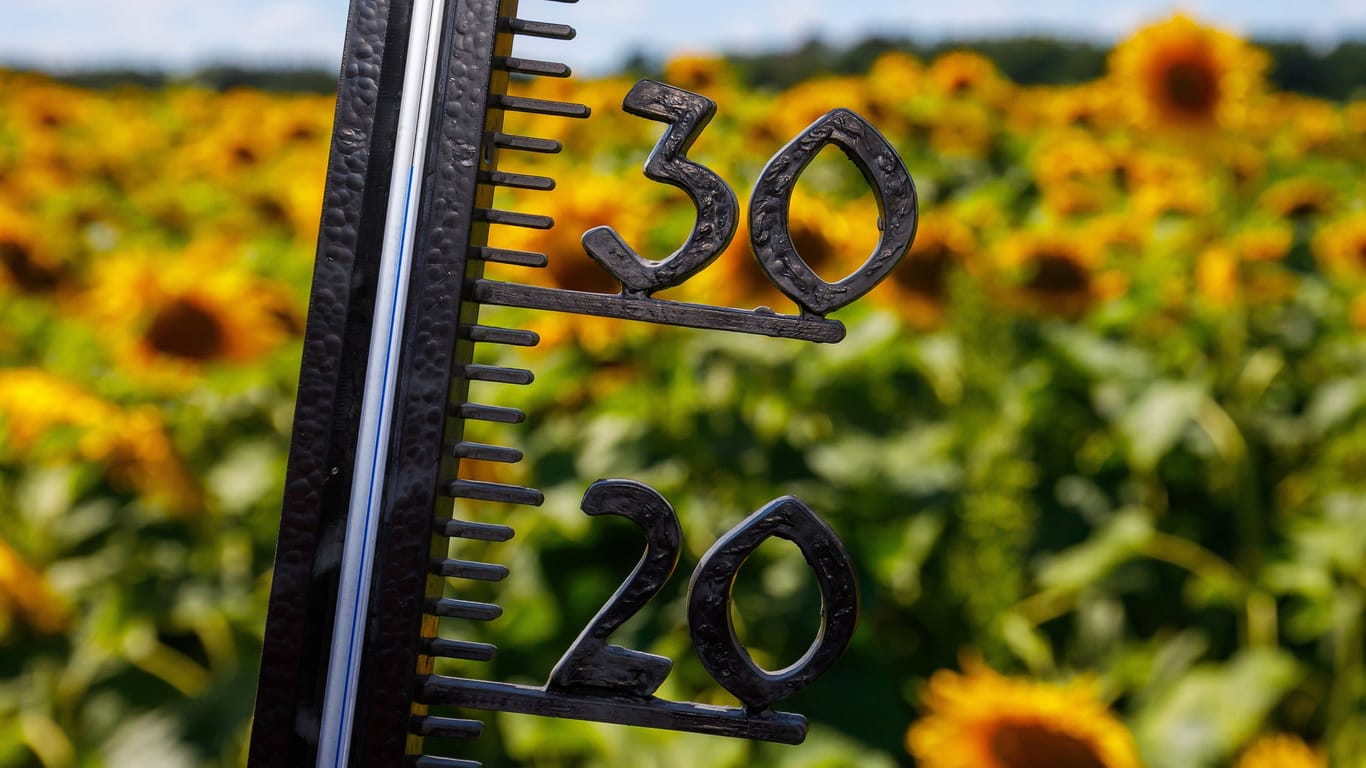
[[1088, 562], [1212, 711], [1156, 421]]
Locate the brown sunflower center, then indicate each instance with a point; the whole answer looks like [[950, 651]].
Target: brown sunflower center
[[813, 247], [51, 119], [699, 78], [1192, 88], [301, 132], [579, 273], [270, 210], [27, 273], [1033, 745], [1122, 176], [185, 328], [925, 272], [243, 154], [1083, 117], [960, 83], [1057, 274], [1304, 207]]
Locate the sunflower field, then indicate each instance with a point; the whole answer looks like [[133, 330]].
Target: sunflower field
[[1097, 447]]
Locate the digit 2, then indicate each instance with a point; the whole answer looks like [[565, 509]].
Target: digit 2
[[590, 661]]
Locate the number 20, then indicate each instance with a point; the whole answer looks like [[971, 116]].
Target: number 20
[[592, 663]]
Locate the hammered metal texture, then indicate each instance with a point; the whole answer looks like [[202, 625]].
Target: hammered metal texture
[[447, 229], [308, 553]]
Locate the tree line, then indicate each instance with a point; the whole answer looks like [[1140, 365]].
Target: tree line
[[1337, 73]]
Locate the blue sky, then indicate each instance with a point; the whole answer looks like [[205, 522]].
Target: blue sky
[[187, 33]]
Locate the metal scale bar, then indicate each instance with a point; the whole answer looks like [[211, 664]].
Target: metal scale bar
[[385, 380], [374, 491]]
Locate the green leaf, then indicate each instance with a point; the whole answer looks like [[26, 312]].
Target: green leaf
[[1027, 643], [1154, 423], [1334, 403], [1085, 564], [248, 473], [1101, 359], [1204, 718], [918, 461], [152, 740]]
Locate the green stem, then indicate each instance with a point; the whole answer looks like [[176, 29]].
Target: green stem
[[1344, 697], [1192, 557]]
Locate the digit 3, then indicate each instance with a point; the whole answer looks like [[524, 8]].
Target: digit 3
[[687, 114]]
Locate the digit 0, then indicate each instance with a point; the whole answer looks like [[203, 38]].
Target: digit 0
[[709, 603], [771, 235]]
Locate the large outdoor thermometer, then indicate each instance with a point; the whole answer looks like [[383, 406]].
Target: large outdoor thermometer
[[372, 522]]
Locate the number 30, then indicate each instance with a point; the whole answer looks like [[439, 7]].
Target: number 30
[[687, 114]]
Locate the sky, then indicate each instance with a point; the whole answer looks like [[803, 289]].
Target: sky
[[178, 35]]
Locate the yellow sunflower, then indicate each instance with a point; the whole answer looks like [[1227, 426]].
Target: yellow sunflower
[[24, 590], [1058, 272], [968, 75], [305, 121], [1266, 242], [894, 77], [1317, 128], [699, 73], [1340, 247], [962, 128], [1231, 271], [25, 264], [919, 286], [131, 443], [241, 131], [1354, 115], [1244, 161], [803, 104], [1356, 314], [167, 314], [1299, 197], [1089, 106], [1182, 74], [33, 402], [982, 719], [50, 107], [595, 200], [1159, 184], [1075, 175], [287, 198], [1281, 751], [1217, 276], [1118, 233]]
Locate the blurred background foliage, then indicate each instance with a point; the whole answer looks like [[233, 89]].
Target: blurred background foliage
[[1097, 447]]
